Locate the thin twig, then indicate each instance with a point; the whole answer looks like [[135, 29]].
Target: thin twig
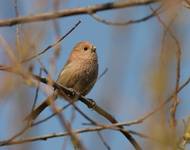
[[50, 116], [77, 131], [54, 135], [53, 45], [102, 74], [103, 140], [125, 23]]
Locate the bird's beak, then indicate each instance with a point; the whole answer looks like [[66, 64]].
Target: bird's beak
[[93, 49]]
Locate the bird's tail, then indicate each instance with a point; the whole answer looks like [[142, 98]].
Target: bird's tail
[[36, 112]]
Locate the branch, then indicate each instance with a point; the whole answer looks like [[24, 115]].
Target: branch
[[91, 104], [58, 41], [54, 135], [125, 23], [77, 131], [75, 11]]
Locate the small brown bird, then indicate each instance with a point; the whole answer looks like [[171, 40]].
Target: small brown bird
[[79, 73]]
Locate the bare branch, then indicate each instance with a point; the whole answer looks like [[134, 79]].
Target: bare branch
[[53, 45], [75, 11], [54, 135], [125, 23], [91, 104], [77, 131]]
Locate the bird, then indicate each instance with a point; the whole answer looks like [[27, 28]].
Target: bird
[[79, 73]]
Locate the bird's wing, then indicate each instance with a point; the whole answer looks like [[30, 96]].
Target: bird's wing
[[69, 75]]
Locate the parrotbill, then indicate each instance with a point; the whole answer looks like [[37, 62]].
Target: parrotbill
[[80, 73]]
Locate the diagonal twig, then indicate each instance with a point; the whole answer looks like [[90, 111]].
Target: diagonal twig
[[53, 45]]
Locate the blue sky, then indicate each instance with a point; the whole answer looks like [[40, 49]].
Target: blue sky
[[131, 54]]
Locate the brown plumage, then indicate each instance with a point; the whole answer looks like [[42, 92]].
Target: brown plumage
[[79, 73]]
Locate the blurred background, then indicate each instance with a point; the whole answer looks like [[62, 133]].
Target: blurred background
[[141, 62]]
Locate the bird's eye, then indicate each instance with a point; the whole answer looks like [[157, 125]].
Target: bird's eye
[[85, 48]]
